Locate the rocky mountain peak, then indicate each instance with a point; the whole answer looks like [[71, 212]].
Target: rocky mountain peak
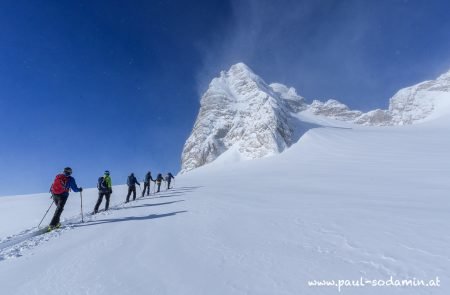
[[240, 113], [240, 110]]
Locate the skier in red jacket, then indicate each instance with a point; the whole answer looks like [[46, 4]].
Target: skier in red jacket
[[60, 192]]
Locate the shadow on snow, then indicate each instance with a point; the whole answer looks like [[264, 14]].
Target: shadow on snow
[[130, 218], [151, 205], [173, 192]]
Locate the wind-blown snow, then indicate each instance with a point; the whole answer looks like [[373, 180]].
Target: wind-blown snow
[[343, 202]]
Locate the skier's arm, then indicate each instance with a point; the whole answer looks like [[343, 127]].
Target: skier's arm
[[73, 185], [109, 184]]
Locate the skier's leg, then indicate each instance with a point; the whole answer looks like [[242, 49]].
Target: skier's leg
[[60, 201], [99, 201], [56, 199], [128, 195], [145, 188], [107, 196], [134, 193]]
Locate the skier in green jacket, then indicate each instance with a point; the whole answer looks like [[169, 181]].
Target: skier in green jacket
[[104, 186]]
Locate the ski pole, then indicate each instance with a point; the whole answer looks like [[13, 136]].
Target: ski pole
[[45, 214], [81, 196]]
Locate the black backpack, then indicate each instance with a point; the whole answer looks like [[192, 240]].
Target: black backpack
[[101, 184]]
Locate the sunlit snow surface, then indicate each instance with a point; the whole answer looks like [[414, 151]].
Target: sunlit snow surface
[[343, 202]]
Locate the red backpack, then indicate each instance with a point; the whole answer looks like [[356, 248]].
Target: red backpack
[[60, 185]]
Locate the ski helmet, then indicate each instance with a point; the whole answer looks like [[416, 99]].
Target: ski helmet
[[67, 171], [106, 172]]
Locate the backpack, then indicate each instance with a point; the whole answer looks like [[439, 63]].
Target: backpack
[[60, 185], [101, 183], [131, 180]]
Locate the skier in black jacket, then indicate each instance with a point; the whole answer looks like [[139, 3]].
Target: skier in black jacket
[[169, 178], [158, 180], [131, 182], [148, 178]]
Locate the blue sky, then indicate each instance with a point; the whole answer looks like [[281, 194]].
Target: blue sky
[[116, 85]]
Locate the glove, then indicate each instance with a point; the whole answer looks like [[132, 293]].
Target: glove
[[110, 190], [80, 189]]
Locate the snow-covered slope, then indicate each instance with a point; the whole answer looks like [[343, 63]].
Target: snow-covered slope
[[246, 118], [339, 204]]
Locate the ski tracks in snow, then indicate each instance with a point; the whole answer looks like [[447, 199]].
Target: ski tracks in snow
[[15, 246]]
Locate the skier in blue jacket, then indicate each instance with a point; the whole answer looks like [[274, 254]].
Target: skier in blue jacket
[[147, 179], [61, 186]]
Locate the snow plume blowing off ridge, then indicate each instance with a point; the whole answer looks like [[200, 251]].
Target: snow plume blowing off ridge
[[244, 116]]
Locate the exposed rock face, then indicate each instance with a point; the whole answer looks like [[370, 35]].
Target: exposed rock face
[[417, 102], [290, 96], [240, 111], [333, 109], [375, 118]]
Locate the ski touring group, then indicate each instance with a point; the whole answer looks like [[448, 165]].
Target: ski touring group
[[64, 182]]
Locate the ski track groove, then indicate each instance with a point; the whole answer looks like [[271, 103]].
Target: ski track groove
[[13, 246]]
